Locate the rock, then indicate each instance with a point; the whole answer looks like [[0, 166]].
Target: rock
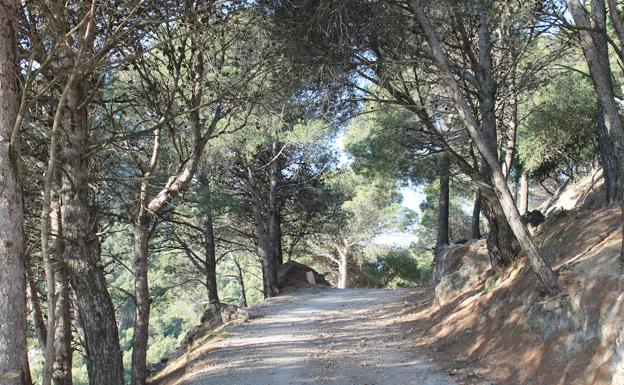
[[533, 218], [297, 275], [212, 316], [468, 265]]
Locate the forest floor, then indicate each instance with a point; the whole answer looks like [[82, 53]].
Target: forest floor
[[316, 336]]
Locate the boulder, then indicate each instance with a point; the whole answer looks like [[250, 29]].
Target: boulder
[[468, 265], [533, 218], [297, 275]]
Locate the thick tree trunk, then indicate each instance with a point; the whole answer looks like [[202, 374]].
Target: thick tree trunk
[[266, 248], [210, 247], [442, 241], [13, 363], [141, 300], [475, 226], [523, 194], [608, 161], [82, 249], [539, 264], [594, 42], [499, 235], [211, 259]]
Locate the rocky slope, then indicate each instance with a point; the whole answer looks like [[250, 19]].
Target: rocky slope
[[504, 327]]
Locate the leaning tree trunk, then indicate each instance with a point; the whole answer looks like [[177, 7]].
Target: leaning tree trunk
[[13, 370], [539, 264], [82, 249]]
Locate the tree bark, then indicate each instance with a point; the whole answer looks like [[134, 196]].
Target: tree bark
[[265, 247], [275, 228], [35, 303], [242, 303], [62, 368], [62, 365], [539, 264], [13, 353], [608, 161], [343, 266], [82, 249], [141, 299], [443, 205], [210, 247]]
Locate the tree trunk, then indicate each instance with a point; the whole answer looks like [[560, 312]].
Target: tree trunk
[[343, 266], [443, 203], [539, 264], [523, 196], [142, 300], [13, 366], [608, 161], [439, 265], [62, 366], [275, 229], [35, 303], [475, 226], [242, 303], [594, 43], [82, 249], [266, 248], [210, 246]]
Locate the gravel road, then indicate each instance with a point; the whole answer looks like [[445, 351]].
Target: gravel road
[[330, 336]]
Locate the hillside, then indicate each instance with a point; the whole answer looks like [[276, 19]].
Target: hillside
[[508, 330]]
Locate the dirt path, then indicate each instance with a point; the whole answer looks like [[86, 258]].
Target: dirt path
[[344, 337]]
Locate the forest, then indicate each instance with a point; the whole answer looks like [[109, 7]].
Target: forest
[[161, 156]]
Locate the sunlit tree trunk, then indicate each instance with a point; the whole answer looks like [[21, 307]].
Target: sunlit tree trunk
[[523, 194]]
